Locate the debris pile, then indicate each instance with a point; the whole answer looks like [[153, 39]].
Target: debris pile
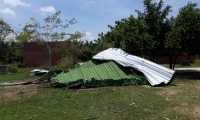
[[107, 68], [96, 73]]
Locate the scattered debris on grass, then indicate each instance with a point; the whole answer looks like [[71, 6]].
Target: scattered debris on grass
[[38, 72]]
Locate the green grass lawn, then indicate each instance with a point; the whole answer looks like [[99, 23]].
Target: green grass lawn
[[177, 101], [179, 66], [196, 63], [21, 74]]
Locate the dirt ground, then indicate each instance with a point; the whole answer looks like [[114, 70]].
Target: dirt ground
[[191, 91], [177, 91], [9, 93]]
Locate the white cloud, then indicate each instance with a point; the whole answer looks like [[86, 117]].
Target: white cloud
[[43, 14], [91, 2], [15, 3], [88, 36], [50, 9], [8, 11]]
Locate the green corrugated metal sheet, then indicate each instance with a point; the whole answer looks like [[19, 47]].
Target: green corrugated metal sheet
[[100, 73], [91, 63]]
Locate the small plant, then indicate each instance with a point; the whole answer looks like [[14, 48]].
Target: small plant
[[64, 63], [197, 61], [184, 62], [2, 73], [13, 70], [20, 65]]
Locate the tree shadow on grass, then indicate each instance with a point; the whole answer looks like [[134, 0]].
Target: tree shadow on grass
[[187, 74]]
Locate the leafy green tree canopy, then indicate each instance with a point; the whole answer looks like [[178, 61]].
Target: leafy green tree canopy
[[155, 16], [188, 23], [130, 34], [5, 30]]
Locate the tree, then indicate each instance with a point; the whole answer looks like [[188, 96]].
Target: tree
[[143, 36], [101, 43], [49, 34], [5, 31], [71, 49], [188, 21], [13, 52], [131, 35], [184, 34], [27, 35], [155, 17], [86, 51], [173, 43]]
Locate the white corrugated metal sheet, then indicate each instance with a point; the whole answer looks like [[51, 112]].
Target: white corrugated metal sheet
[[155, 74]]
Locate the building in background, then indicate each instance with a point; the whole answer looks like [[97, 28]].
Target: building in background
[[35, 54]]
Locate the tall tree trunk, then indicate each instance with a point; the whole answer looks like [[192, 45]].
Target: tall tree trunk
[[170, 60], [175, 62], [49, 60], [49, 52], [153, 58]]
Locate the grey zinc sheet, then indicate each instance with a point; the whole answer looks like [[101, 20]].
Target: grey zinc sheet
[[155, 74]]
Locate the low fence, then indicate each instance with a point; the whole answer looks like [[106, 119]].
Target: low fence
[[5, 69], [165, 59]]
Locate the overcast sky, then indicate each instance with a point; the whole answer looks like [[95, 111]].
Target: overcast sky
[[93, 16]]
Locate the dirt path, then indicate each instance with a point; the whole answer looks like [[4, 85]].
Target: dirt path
[[9, 93], [187, 70]]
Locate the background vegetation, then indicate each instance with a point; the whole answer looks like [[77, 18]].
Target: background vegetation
[[150, 34]]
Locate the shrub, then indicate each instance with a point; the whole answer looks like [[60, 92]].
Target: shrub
[[13, 70], [184, 62], [2, 73], [197, 61], [64, 64], [20, 65]]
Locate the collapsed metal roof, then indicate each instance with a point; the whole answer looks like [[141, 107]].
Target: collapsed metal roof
[[155, 74], [109, 67], [99, 73]]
